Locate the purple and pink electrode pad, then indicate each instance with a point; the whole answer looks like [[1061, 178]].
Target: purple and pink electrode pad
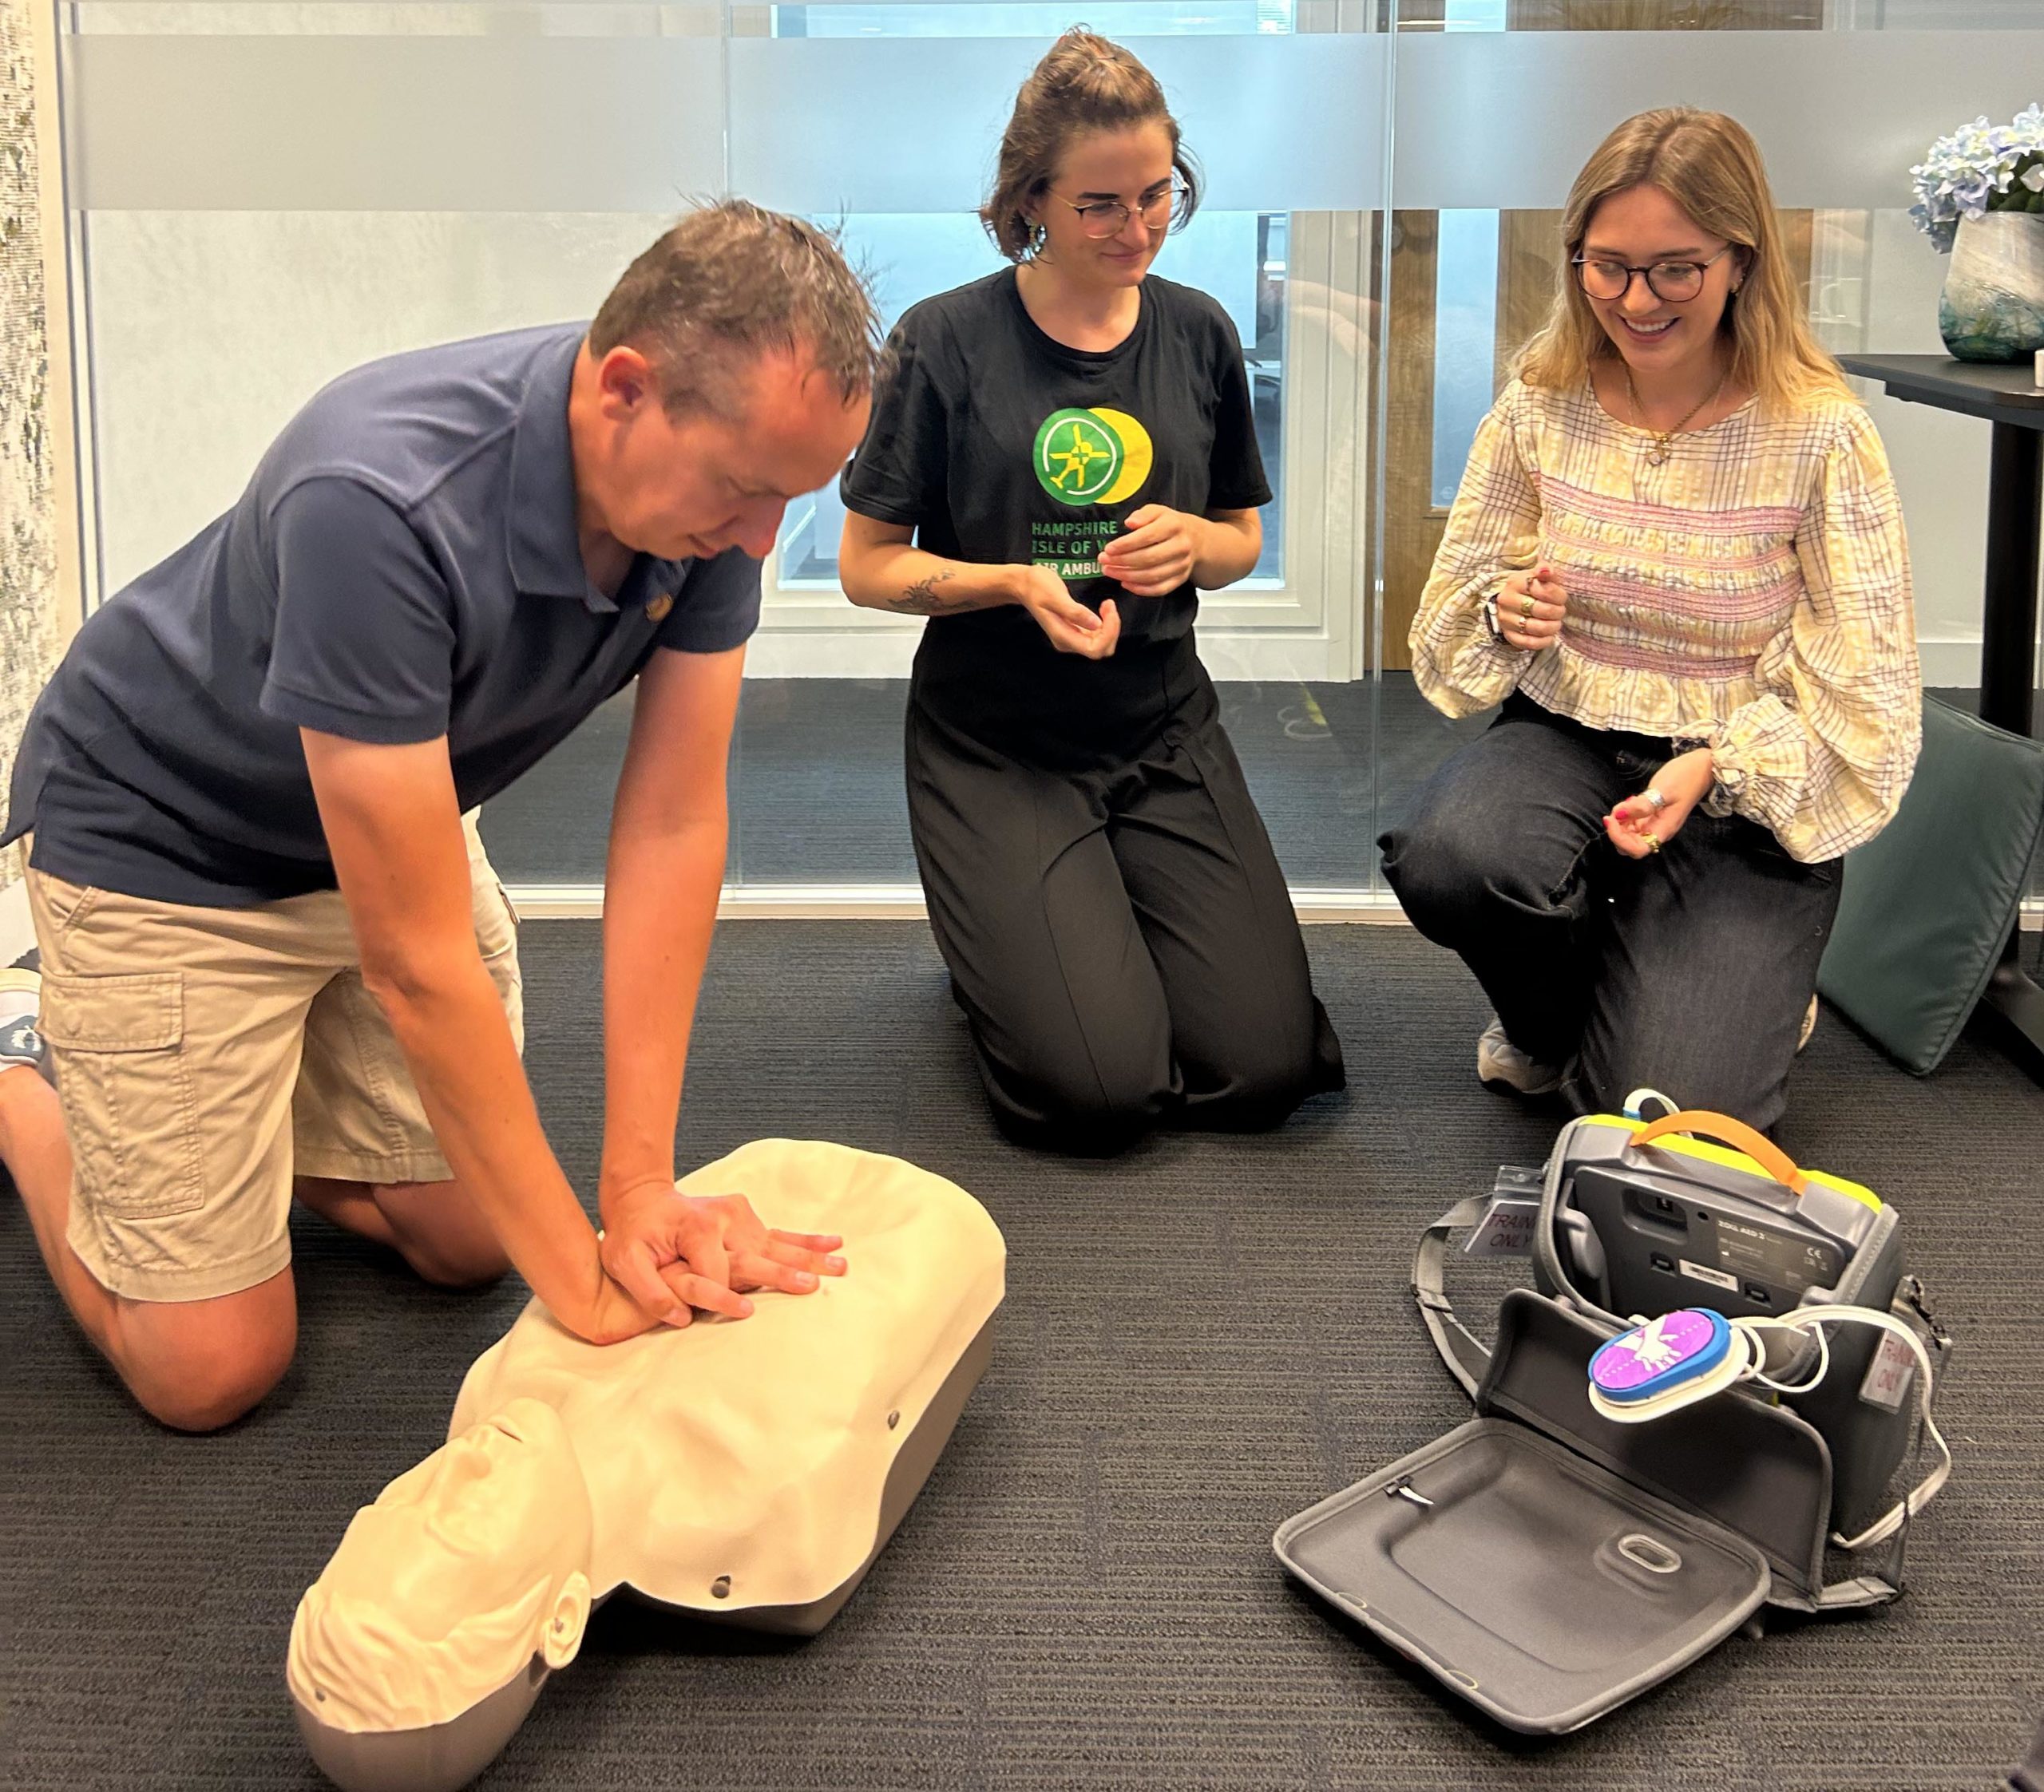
[[1667, 1363]]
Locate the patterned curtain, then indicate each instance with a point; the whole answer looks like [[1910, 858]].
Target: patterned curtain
[[29, 631]]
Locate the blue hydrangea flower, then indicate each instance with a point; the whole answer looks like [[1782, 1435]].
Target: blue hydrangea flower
[[1963, 173]]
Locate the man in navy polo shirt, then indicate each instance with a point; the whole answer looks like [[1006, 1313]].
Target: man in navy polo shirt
[[275, 960]]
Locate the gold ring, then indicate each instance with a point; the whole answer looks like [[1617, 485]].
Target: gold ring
[[1653, 841], [1526, 605]]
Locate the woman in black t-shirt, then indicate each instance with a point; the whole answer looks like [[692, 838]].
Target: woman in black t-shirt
[[1064, 456]]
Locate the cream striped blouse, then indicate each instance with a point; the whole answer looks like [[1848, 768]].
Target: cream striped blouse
[[1752, 594]]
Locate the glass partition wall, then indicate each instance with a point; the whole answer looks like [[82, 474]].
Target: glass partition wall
[[264, 192]]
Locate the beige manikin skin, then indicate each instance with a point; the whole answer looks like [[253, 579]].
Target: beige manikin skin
[[747, 1457], [444, 1590]]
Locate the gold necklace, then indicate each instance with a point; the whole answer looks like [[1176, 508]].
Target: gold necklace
[[1657, 455]]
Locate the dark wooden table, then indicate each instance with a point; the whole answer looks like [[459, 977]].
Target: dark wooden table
[[2008, 398]]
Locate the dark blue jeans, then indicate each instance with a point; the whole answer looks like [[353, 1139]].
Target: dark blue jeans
[[1688, 972]]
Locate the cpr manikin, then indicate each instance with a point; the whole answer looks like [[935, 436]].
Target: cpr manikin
[[748, 1471]]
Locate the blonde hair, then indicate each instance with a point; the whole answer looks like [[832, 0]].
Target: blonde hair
[[1709, 166]]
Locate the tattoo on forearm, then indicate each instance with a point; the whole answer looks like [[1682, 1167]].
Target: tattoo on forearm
[[921, 599]]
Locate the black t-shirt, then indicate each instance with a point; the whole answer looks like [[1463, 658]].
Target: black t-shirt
[[999, 446]]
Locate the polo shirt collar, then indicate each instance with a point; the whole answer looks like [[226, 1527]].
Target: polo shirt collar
[[546, 549], [545, 543]]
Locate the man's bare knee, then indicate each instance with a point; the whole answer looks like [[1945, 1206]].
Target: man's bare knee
[[442, 1234], [197, 1365], [206, 1403], [456, 1263]]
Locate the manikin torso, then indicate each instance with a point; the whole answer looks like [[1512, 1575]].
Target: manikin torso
[[729, 1468]]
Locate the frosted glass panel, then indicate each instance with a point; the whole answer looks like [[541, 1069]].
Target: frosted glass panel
[[1290, 122], [454, 124], [635, 123], [1032, 19], [1839, 116], [194, 374], [266, 192]]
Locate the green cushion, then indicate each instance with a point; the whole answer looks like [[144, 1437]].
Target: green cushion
[[1928, 903]]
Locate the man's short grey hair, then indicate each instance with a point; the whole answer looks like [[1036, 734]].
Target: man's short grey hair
[[731, 282]]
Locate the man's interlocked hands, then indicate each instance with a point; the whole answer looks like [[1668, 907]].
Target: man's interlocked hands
[[666, 1254]]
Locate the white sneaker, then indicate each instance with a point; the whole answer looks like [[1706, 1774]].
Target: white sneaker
[[20, 1002], [1809, 1025], [1501, 1065]]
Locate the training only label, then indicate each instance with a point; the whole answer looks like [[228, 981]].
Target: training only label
[[1889, 1375], [1506, 1229]]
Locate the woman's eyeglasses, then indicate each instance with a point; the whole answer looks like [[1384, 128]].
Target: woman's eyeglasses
[[1109, 217], [1674, 281]]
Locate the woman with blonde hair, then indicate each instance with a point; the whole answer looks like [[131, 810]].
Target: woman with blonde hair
[[1676, 560], [1064, 457]]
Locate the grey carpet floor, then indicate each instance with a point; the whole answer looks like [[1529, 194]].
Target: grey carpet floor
[[1200, 1339]]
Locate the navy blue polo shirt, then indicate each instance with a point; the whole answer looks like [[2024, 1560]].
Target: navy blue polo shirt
[[403, 565]]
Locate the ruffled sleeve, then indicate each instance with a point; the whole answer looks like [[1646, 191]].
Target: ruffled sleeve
[[1823, 755], [1493, 530]]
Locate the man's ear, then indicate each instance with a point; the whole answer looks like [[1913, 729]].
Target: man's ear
[[625, 382], [567, 1621]]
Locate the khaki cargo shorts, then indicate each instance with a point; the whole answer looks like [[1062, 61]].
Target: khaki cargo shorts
[[204, 1057]]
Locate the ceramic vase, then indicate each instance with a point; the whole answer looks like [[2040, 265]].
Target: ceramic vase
[[1992, 308]]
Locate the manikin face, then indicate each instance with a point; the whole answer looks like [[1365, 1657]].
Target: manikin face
[[1105, 167], [1643, 227], [443, 1590], [690, 487]]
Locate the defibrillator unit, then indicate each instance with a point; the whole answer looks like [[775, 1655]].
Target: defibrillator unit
[[1713, 1384]]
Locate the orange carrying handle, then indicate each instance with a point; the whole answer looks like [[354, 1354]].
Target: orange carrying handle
[[1737, 1133]]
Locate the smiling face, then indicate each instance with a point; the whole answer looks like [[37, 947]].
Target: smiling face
[[1125, 166], [1674, 339], [689, 487]]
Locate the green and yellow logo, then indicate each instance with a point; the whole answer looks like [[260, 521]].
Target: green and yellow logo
[[1092, 456]]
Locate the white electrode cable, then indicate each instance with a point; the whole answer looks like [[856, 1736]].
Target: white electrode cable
[[1814, 1319], [1766, 1380]]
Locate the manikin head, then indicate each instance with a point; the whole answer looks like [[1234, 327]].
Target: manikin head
[[444, 1591], [730, 371]]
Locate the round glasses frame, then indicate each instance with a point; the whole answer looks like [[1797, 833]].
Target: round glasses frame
[[1677, 280], [1101, 219]]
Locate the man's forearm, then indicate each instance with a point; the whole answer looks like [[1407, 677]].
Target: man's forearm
[[458, 1046], [660, 911]]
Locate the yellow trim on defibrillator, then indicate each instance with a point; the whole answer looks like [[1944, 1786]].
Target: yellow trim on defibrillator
[[1726, 1157]]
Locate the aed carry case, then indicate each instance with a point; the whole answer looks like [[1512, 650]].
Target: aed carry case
[[1632, 1490]]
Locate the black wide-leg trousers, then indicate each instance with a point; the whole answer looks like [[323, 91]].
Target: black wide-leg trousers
[[1118, 933]]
